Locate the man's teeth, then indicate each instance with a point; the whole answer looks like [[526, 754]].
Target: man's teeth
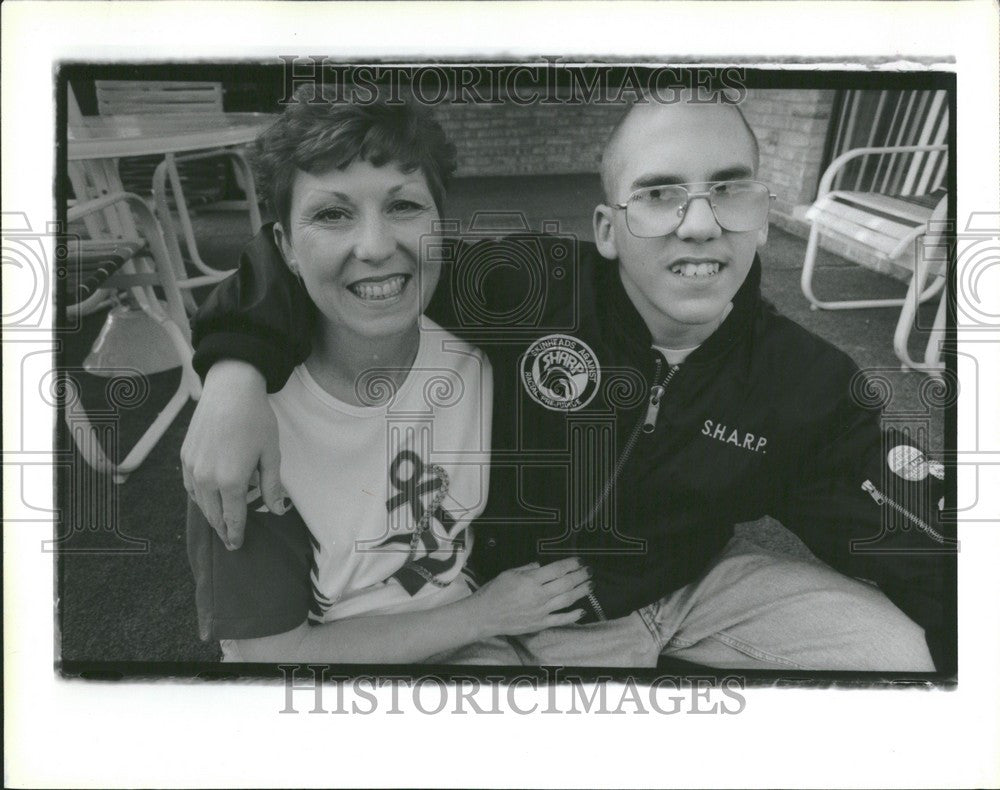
[[385, 289], [695, 269]]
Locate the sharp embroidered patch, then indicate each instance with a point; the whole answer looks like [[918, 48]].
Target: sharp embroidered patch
[[560, 373]]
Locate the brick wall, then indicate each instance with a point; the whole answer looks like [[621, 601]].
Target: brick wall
[[506, 139], [791, 126]]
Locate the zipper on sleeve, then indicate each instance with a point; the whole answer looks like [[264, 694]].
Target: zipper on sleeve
[[882, 499]]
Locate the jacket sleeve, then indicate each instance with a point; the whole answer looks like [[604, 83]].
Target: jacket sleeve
[[872, 512], [261, 314], [261, 589]]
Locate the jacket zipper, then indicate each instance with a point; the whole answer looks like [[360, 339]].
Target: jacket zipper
[[882, 499], [646, 425], [655, 396]]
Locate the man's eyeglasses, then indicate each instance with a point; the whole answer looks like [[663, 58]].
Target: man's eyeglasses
[[659, 211]]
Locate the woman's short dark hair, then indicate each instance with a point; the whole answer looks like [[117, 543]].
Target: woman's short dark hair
[[320, 131]]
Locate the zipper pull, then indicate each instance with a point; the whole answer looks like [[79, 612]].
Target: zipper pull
[[649, 425], [869, 486]]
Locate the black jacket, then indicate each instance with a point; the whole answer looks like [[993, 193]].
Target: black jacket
[[764, 418]]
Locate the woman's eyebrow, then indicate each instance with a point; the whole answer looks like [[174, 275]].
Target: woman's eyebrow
[[323, 194], [413, 182]]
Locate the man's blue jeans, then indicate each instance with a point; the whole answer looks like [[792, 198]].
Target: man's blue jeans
[[751, 609]]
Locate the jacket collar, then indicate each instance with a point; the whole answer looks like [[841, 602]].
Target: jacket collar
[[630, 328]]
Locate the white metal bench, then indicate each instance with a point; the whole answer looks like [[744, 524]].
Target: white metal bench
[[931, 263], [885, 231], [884, 226]]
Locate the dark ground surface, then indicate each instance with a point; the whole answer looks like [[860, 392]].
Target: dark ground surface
[[139, 606]]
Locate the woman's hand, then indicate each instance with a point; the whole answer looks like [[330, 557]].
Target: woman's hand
[[524, 600], [233, 433]]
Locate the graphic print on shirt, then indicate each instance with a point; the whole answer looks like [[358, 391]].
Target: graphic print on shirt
[[415, 504], [320, 603], [412, 491]]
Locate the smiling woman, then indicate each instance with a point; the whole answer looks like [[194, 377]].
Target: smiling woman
[[384, 479], [353, 237], [356, 186]]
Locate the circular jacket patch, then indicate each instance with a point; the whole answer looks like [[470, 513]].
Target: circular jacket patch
[[560, 372], [908, 462]]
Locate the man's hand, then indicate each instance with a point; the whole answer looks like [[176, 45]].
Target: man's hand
[[233, 434]]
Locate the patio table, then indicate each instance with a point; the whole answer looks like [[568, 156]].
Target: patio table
[[115, 136], [190, 135]]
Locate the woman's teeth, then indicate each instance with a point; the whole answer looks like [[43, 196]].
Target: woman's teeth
[[385, 289], [695, 269]]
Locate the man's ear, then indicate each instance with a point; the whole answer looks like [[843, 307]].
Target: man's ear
[[604, 232], [762, 235], [283, 243]]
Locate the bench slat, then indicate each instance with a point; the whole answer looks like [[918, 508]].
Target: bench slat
[[898, 207], [881, 246], [842, 213], [877, 232]]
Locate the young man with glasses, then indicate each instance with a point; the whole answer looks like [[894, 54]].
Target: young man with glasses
[[675, 403]]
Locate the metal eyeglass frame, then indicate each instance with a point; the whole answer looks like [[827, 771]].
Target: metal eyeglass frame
[[707, 193]]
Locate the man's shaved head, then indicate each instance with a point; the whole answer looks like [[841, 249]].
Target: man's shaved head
[[612, 156], [681, 281]]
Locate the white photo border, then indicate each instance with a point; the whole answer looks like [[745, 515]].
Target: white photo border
[[196, 733]]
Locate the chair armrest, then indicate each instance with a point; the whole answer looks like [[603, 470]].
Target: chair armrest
[[149, 229], [144, 218], [834, 167], [84, 207]]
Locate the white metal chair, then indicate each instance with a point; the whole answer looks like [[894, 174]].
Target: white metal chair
[[884, 229], [140, 97], [137, 97], [165, 177], [932, 261], [136, 261], [167, 174]]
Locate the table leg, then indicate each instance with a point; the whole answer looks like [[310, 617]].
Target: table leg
[[169, 229]]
